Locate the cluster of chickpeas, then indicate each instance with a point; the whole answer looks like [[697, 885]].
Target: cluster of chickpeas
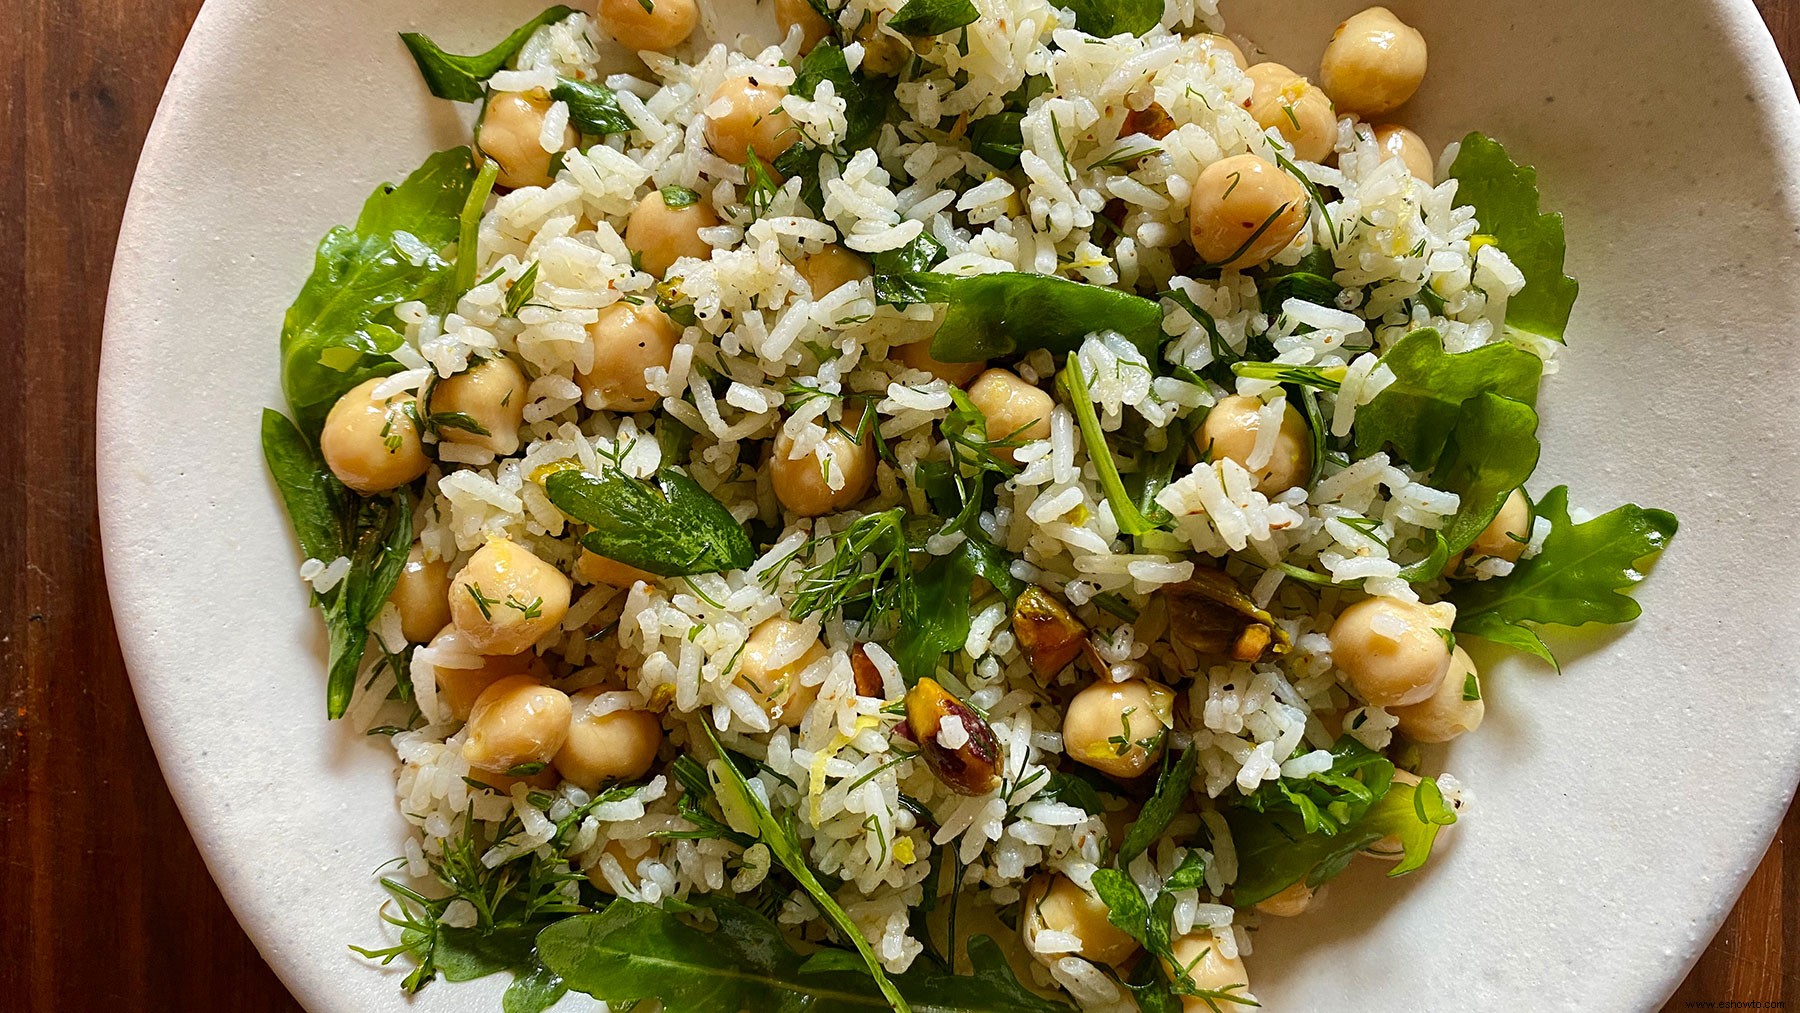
[[1246, 209], [506, 599]]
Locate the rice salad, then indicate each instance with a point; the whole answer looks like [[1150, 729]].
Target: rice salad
[[971, 505]]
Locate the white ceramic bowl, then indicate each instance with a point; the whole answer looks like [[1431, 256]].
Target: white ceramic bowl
[[1620, 807]]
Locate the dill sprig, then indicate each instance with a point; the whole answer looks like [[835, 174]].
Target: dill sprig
[[514, 897], [866, 566]]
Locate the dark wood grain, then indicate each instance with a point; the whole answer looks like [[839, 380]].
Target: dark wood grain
[[104, 901]]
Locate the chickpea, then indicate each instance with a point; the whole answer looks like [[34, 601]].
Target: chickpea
[[745, 115], [884, 53], [773, 682], [1197, 954], [1053, 903], [805, 484], [1119, 728], [833, 267], [422, 596], [1391, 651], [1230, 432], [661, 233], [1398, 142], [1373, 63], [505, 598], [1294, 107], [1243, 211], [617, 746], [510, 132], [661, 25], [491, 393], [372, 446], [918, 356], [1507, 534], [628, 854], [1210, 44], [1290, 902], [458, 688], [516, 721], [1016, 412], [628, 341], [814, 29], [1446, 713], [593, 568]]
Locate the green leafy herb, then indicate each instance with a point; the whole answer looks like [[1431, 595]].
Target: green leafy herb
[[1318, 377], [867, 566], [634, 952], [921, 18], [1107, 18], [464, 78], [1310, 280], [1071, 383], [763, 186], [1504, 195], [895, 270], [374, 533], [670, 527], [1471, 687], [593, 107], [999, 139], [1491, 452], [340, 330], [866, 104], [745, 810], [1071, 789], [1173, 786], [522, 290], [1275, 851], [1577, 578], [1416, 412], [512, 900], [677, 197], [991, 316], [941, 616], [468, 231], [1332, 800], [1151, 923]]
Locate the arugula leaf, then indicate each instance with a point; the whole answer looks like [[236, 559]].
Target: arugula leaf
[[634, 952], [670, 527], [375, 533], [999, 139], [1173, 786], [1576, 579], [1504, 195], [920, 18], [1491, 452], [1071, 383], [464, 78], [340, 330], [1416, 412], [1274, 850], [593, 108], [743, 807]]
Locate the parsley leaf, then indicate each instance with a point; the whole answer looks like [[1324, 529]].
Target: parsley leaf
[[464, 78], [1107, 18], [1576, 579], [1416, 412], [1504, 195], [593, 108], [992, 316], [670, 526]]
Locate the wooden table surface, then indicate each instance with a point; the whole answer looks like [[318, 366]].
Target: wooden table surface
[[104, 901]]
